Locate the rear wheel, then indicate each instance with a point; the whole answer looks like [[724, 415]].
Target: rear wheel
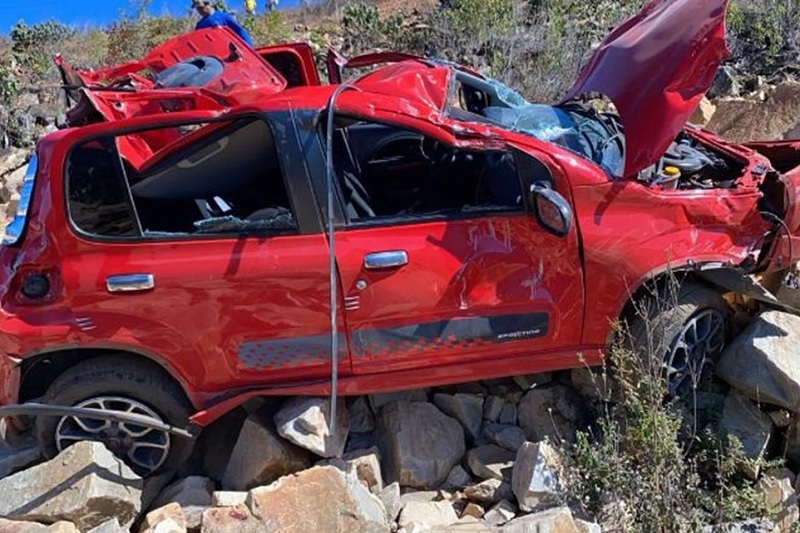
[[124, 385], [684, 331]]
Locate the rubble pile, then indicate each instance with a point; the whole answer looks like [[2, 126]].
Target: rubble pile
[[477, 457]]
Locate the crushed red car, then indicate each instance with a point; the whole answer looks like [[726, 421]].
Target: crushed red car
[[171, 254]]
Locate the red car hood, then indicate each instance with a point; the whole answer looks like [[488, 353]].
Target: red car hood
[[656, 67]]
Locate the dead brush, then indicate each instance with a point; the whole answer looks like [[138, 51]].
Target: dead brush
[[646, 464]]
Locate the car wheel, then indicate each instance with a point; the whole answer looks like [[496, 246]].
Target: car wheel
[[685, 330], [118, 384]]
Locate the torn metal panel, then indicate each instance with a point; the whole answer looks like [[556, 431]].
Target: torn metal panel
[[656, 67], [732, 280]]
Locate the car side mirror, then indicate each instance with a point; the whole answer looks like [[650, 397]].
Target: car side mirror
[[552, 210]]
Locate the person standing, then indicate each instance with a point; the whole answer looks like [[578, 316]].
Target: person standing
[[211, 18]]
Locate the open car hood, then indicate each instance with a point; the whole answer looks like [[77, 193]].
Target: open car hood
[[655, 68]]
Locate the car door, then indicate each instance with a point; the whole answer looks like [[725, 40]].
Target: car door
[[208, 255], [431, 276]]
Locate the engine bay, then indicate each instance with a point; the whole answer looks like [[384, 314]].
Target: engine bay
[[687, 164]]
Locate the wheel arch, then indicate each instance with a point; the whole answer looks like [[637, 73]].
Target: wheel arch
[[40, 369]]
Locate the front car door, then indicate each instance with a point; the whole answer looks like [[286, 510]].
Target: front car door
[[439, 258]]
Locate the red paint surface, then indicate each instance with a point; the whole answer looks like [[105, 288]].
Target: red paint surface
[[214, 295]]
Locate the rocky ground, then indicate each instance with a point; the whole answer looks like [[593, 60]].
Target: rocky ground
[[479, 457]]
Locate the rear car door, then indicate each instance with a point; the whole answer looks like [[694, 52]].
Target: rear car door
[[440, 259], [203, 248]]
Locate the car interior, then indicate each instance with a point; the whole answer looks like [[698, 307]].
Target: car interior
[[389, 172], [227, 181]]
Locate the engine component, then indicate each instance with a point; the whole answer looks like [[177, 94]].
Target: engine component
[[698, 166]]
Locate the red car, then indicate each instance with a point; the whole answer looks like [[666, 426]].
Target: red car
[[172, 254]]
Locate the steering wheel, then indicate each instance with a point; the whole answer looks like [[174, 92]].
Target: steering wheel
[[437, 153]]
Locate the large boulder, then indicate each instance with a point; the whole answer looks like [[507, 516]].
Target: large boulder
[[193, 494], [743, 119], [536, 478], [320, 500], [166, 519], [236, 519], [552, 411], [85, 484], [306, 422], [260, 456], [466, 408], [378, 401], [742, 419], [422, 443], [762, 362]]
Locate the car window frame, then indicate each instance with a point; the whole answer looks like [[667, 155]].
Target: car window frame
[[179, 237]]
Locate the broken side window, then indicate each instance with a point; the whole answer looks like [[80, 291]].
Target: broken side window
[[387, 172], [208, 179]]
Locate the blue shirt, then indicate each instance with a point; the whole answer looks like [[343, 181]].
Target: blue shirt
[[220, 18]]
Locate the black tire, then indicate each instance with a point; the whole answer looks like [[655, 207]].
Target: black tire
[[121, 377], [663, 317]]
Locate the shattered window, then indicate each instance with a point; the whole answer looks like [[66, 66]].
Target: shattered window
[[387, 172], [203, 179]]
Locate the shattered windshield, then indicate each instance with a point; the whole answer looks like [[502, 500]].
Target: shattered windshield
[[595, 136]]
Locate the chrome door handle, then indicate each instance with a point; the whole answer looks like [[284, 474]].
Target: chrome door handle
[[130, 283], [381, 260]]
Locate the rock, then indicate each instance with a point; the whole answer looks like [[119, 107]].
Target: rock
[[703, 113], [228, 498], [422, 443], [14, 459], [551, 411], [508, 415], [489, 492], [193, 493], [12, 183], [236, 519], [761, 363], [776, 117], [467, 524], [320, 500], [458, 478], [587, 527], [166, 519], [466, 408], [473, 509], [11, 159], [109, 526], [360, 441], [361, 418], [427, 514], [422, 496], [377, 401], [742, 419], [725, 83], [390, 497], [556, 520], [491, 462], [529, 381], [502, 512], [780, 417], [365, 465], [594, 384], [219, 444], [63, 527], [306, 422], [11, 526], [85, 484], [508, 437], [260, 456], [536, 476], [492, 407], [760, 525], [778, 490]]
